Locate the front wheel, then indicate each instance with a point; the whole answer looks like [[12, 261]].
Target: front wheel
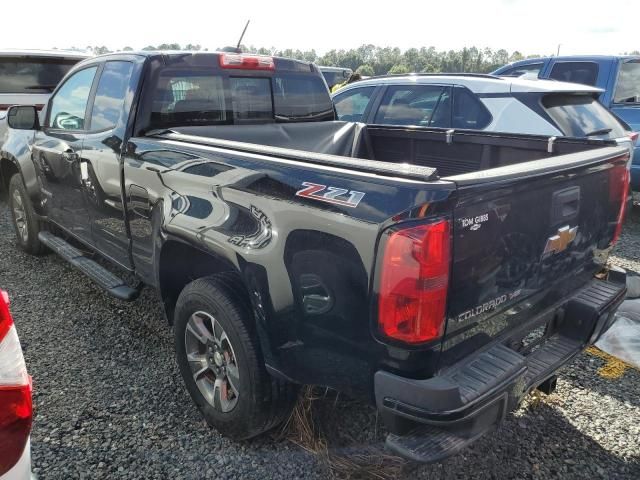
[[26, 223], [220, 360]]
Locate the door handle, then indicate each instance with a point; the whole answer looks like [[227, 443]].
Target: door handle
[[70, 156], [565, 204]]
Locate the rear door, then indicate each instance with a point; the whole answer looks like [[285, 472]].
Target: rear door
[[108, 116], [527, 235]]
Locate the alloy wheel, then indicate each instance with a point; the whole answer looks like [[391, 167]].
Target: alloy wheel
[[212, 361]]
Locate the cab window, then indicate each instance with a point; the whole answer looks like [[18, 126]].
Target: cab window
[[351, 105], [69, 105], [585, 73]]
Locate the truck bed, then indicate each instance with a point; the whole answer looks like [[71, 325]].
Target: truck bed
[[416, 153]]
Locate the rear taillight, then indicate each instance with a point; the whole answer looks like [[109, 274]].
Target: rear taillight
[[633, 136], [16, 410], [619, 177], [414, 281], [246, 62]]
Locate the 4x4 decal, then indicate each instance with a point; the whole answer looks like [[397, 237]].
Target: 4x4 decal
[[335, 195]]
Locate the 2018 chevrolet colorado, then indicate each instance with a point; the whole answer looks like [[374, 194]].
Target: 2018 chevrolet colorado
[[442, 274]]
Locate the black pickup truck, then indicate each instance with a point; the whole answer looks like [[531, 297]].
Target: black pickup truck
[[441, 274]]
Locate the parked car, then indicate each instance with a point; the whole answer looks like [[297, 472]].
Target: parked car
[[27, 77], [412, 266], [479, 102], [335, 75], [617, 76], [16, 410]]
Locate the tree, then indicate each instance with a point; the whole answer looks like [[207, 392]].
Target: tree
[[127, 49], [365, 70], [190, 46], [399, 68]]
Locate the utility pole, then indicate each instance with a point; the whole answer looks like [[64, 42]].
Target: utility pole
[[558, 52]]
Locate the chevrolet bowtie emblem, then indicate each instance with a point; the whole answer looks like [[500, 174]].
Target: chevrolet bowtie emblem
[[559, 242]]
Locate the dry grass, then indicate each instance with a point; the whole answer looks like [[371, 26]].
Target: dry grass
[[306, 429]]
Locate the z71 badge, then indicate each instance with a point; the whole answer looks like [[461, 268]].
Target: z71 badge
[[335, 195]]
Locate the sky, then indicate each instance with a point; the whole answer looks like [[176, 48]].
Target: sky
[[531, 27]]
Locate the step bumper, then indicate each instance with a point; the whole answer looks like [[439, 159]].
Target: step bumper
[[435, 418]]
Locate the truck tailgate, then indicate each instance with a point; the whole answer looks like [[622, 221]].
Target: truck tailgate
[[528, 234]]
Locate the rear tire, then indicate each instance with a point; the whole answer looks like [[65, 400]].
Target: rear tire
[[216, 345], [26, 223]]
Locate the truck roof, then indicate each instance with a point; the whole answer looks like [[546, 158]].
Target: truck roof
[[176, 53], [562, 58], [478, 83]]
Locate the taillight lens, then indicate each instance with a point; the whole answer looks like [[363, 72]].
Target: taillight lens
[[619, 178], [246, 62], [16, 410], [414, 281]]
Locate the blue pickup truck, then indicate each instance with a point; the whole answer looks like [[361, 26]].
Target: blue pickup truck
[[618, 76]]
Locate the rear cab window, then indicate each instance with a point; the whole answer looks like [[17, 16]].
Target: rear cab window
[[585, 73], [582, 116], [205, 94], [628, 86], [32, 74]]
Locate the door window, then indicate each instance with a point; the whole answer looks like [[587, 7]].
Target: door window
[[529, 70], [628, 87], [575, 72], [110, 94], [424, 105], [69, 105], [468, 111], [351, 105]]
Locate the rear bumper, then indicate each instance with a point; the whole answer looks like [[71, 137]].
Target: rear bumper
[[435, 418], [22, 469]]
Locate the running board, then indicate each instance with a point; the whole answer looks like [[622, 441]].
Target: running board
[[113, 285]]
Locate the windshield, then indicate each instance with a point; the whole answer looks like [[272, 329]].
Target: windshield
[[32, 75], [628, 88], [582, 116], [192, 97]]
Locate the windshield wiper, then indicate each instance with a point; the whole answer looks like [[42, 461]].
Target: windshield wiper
[[602, 131], [49, 88]]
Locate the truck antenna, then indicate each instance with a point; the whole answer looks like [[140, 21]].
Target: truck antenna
[[243, 32]]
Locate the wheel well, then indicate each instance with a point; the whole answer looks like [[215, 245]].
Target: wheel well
[[180, 264], [7, 170]]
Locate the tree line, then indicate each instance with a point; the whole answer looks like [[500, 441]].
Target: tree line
[[373, 60]]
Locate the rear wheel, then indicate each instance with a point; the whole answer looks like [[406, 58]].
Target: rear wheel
[[26, 223], [220, 360]]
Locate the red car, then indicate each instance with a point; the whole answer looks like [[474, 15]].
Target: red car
[[16, 410]]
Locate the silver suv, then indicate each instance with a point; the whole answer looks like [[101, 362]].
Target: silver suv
[[27, 77]]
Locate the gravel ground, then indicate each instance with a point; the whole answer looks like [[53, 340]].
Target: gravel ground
[[110, 402]]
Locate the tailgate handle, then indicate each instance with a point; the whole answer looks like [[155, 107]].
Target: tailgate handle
[[565, 204]]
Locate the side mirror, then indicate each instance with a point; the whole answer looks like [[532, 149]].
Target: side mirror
[[23, 117]]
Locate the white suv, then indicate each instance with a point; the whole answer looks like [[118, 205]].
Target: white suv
[[479, 102], [27, 77]]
